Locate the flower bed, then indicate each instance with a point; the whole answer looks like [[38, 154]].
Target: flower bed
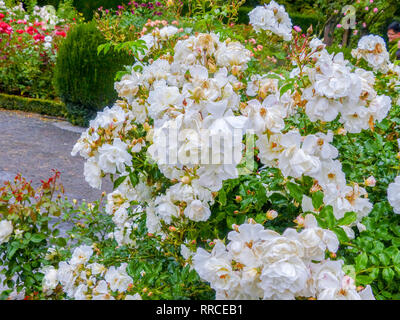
[[28, 47]]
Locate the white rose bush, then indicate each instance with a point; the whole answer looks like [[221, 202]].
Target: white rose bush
[[236, 181]]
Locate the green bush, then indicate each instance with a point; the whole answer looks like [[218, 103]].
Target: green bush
[[85, 80], [243, 14], [47, 107]]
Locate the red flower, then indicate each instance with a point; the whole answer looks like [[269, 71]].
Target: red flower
[[2, 15], [20, 31], [5, 28], [38, 37], [30, 30], [61, 33]]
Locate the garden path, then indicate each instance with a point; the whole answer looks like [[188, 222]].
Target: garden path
[[33, 145]]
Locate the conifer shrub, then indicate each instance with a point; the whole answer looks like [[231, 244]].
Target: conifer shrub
[[85, 80]]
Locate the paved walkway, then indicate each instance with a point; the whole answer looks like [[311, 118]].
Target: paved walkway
[[32, 145]]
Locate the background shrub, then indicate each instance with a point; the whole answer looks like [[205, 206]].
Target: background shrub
[[85, 80]]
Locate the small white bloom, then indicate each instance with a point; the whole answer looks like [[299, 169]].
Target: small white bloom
[[6, 230]]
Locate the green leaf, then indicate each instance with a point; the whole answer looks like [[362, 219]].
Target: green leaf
[[341, 234], [222, 197], [29, 282], [230, 221], [286, 88], [295, 191], [321, 222], [36, 238], [27, 267], [134, 179], [364, 280], [61, 242], [361, 261], [11, 251], [119, 181], [349, 217], [396, 258], [317, 199], [38, 276], [388, 274], [374, 273], [384, 258], [260, 218], [327, 214]]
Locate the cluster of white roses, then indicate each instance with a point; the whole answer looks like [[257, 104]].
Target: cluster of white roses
[[192, 102], [372, 49], [155, 38], [191, 110], [272, 17], [82, 280], [105, 152], [263, 264], [335, 88], [123, 214], [47, 14], [314, 156]]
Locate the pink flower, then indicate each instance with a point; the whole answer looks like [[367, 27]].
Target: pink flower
[[297, 28], [366, 8], [370, 182], [259, 47], [338, 26], [376, 10], [355, 32], [364, 25], [371, 1]]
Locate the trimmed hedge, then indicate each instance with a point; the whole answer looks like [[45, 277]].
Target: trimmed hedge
[[47, 107], [83, 79]]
